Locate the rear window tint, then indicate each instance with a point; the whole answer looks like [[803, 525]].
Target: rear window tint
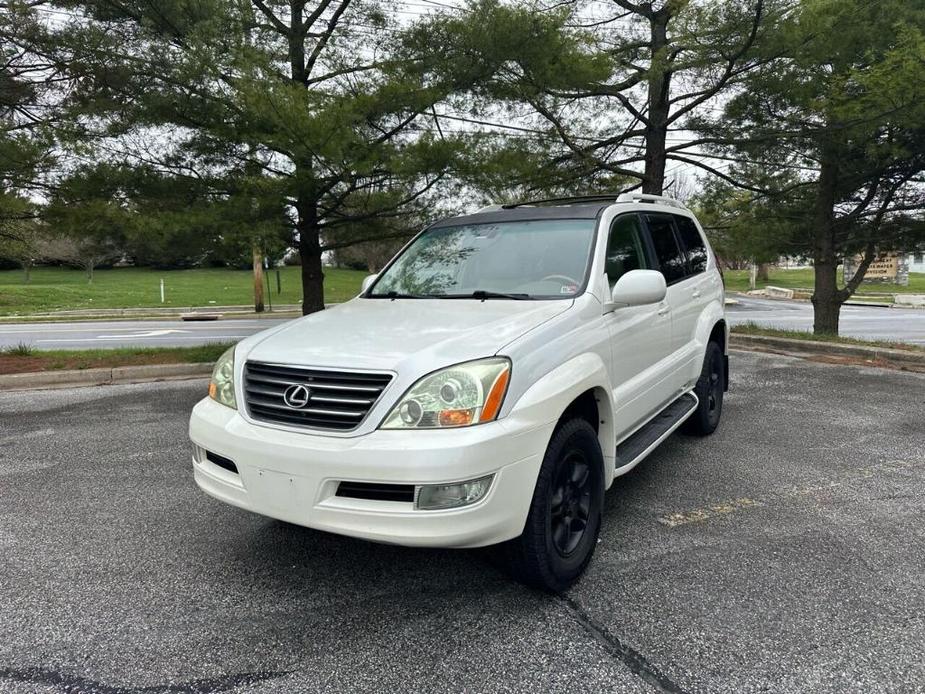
[[670, 258], [693, 242]]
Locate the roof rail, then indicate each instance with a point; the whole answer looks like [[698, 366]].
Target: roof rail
[[576, 199], [579, 199], [655, 199]]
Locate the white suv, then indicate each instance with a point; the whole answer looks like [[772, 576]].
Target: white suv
[[486, 387]]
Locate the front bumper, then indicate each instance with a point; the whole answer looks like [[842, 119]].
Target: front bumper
[[293, 476]]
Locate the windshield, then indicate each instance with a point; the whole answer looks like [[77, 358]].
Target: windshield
[[508, 260]]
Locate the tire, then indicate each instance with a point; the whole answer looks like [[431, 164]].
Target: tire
[[562, 526], [709, 390]]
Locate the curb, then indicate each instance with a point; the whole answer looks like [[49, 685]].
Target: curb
[[873, 304], [222, 313], [897, 357], [103, 377], [160, 310], [41, 380]]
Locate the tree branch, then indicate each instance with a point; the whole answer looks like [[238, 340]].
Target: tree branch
[[275, 21], [729, 70], [325, 35]]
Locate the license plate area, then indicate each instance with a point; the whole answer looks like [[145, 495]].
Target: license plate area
[[275, 491]]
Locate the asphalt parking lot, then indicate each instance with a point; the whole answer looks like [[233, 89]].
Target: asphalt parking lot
[[785, 554]]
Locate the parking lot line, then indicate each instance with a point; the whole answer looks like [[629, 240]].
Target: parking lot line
[[729, 506]]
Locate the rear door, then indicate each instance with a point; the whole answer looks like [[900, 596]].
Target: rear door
[[673, 265], [701, 286], [683, 259]]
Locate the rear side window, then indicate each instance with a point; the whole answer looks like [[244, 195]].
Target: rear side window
[[670, 258], [693, 243], [625, 249]]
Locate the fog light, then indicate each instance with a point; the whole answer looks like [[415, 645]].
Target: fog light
[[436, 496]]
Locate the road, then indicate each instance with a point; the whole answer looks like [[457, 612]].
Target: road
[[865, 322], [130, 333], [783, 554], [872, 323]]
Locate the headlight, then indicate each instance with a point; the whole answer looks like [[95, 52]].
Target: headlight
[[221, 387], [457, 396]]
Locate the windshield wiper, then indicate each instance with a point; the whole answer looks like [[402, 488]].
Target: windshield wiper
[[483, 294], [397, 295]]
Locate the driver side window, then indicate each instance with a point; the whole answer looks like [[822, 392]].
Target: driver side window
[[625, 250]]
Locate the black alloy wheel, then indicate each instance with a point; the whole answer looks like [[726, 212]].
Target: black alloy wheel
[[570, 502], [564, 519], [709, 390]]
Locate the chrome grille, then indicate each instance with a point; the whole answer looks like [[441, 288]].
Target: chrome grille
[[337, 400]]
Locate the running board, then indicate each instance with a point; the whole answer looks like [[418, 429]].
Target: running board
[[633, 449]]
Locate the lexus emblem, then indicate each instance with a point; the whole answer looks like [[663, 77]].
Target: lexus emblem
[[297, 396]]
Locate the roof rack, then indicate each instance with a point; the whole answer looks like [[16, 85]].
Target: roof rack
[[648, 197], [579, 199], [572, 200]]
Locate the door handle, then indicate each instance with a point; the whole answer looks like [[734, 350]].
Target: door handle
[[663, 310], [696, 294]]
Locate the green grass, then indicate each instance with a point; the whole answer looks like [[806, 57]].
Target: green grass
[[198, 354], [13, 360], [60, 288], [21, 349], [737, 281], [755, 329]]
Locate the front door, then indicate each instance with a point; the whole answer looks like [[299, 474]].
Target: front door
[[701, 288]]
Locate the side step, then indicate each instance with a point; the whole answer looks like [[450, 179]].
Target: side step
[[633, 449]]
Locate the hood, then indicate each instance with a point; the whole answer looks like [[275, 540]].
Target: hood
[[383, 334]]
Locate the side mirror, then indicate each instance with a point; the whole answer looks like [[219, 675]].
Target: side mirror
[[638, 288], [367, 283]]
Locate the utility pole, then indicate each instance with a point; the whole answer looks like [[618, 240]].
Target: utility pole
[[258, 280]]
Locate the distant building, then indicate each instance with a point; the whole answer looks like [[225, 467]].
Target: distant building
[[916, 261]]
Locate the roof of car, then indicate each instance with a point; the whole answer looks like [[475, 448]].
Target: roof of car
[[527, 213], [557, 208]]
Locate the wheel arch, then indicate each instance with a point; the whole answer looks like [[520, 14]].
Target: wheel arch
[[711, 326], [720, 335], [578, 388]]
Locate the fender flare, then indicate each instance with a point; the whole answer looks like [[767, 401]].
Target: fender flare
[[711, 316], [544, 402]]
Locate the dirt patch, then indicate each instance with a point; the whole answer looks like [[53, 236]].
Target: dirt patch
[[21, 364], [836, 359]]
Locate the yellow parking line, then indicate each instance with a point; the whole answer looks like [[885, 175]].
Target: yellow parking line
[[724, 508]]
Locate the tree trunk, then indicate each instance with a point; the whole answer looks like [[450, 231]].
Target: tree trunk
[[310, 255], [762, 272], [90, 268], [659, 81], [306, 202], [826, 302], [826, 297], [27, 269], [258, 280]]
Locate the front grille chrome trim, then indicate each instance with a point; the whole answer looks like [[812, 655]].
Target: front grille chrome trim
[[344, 397]]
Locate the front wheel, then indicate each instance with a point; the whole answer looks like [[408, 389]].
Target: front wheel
[[565, 515], [709, 391]]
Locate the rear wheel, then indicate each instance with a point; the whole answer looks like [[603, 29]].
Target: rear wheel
[[709, 390], [565, 514]]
